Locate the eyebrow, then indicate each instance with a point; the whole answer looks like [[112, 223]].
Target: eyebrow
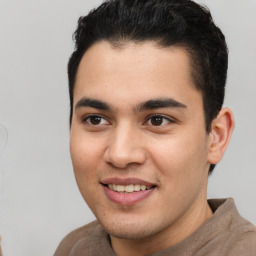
[[160, 103], [92, 103], [147, 105]]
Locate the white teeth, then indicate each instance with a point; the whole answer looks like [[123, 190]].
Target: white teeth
[[143, 187], [128, 188], [120, 188], [136, 187]]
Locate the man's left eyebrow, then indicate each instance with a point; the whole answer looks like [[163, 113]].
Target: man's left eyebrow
[[159, 103]]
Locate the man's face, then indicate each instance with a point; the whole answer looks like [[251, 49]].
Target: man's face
[[138, 127]]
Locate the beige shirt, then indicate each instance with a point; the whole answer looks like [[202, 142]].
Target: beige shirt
[[226, 233]]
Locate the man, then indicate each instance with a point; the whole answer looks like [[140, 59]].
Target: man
[[146, 84]]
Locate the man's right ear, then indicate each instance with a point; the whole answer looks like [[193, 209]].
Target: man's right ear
[[221, 130]]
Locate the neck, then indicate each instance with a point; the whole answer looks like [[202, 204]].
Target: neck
[[172, 235]]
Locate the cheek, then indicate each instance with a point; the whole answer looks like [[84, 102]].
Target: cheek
[[86, 155], [181, 159], [85, 150], [181, 166]]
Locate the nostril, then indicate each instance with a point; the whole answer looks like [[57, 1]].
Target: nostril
[[125, 157]]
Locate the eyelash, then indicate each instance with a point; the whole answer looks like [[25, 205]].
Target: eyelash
[[162, 118], [87, 119]]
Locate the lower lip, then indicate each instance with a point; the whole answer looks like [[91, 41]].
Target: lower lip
[[127, 198]]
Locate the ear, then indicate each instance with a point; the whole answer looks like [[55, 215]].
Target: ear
[[221, 130]]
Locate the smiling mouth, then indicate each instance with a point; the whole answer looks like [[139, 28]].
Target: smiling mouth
[[128, 188]]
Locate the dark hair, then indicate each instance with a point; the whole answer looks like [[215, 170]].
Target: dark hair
[[170, 23]]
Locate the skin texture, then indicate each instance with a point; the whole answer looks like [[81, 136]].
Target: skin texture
[[125, 142]]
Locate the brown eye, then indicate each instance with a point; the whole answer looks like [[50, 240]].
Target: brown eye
[[96, 120], [158, 120]]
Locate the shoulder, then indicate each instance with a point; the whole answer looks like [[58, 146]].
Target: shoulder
[[243, 242], [232, 234], [240, 237], [84, 233]]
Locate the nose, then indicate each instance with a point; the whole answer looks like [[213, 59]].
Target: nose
[[125, 148]]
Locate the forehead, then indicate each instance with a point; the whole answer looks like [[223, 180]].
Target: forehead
[[133, 71]]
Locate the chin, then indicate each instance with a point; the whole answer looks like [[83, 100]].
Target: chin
[[130, 234], [129, 230]]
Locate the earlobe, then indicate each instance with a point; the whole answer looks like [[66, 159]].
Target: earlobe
[[220, 134]]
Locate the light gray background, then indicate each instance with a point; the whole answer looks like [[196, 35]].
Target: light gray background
[[40, 202]]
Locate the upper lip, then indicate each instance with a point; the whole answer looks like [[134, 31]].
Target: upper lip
[[127, 181]]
